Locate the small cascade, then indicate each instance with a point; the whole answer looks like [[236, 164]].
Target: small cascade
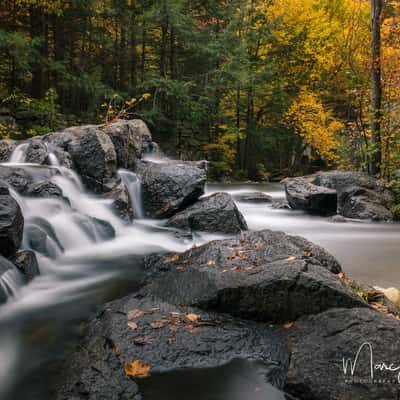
[[18, 156], [53, 160], [134, 186], [10, 282]]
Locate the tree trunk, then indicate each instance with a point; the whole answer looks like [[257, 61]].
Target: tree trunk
[[376, 157]]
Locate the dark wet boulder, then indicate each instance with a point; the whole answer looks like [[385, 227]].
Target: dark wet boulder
[[301, 194], [280, 205], [252, 197], [97, 229], [322, 344], [93, 156], [215, 213], [359, 196], [120, 201], [36, 152], [44, 189], [11, 225], [6, 149], [26, 262], [131, 140], [168, 187], [265, 276], [168, 338]]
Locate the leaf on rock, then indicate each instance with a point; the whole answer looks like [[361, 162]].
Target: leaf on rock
[[291, 258], [137, 369], [192, 317], [171, 259], [288, 325], [132, 325], [211, 262], [133, 314]]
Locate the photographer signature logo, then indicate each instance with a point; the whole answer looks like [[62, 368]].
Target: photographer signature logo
[[376, 369]]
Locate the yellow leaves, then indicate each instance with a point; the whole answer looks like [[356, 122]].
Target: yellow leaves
[[211, 262], [131, 102], [146, 96], [171, 259], [133, 314], [137, 369]]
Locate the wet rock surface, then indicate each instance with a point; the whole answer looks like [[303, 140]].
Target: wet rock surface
[[319, 344], [6, 149], [171, 186], [120, 201], [7, 270], [253, 197], [303, 195], [264, 276], [215, 213], [166, 337], [26, 262]]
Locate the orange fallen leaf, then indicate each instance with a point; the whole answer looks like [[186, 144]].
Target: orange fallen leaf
[[288, 325], [132, 325], [192, 317], [211, 262], [137, 369], [291, 258], [133, 314], [171, 259]]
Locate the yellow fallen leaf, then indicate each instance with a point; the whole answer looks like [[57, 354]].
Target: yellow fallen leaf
[[132, 325], [192, 317], [171, 259], [137, 369], [211, 262]]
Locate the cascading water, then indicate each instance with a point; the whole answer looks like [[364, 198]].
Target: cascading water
[[19, 154], [134, 186]]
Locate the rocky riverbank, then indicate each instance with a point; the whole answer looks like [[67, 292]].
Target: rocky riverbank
[[271, 299]]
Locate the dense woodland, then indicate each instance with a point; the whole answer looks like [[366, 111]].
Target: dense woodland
[[257, 87]]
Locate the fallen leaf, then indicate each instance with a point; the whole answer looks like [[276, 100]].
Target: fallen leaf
[[137, 369], [133, 314], [157, 324], [171, 259], [211, 262], [291, 258], [288, 325], [192, 317], [132, 325]]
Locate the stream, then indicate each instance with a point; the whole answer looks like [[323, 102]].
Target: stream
[[42, 318]]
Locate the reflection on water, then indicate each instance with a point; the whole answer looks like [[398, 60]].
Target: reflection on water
[[368, 252], [238, 380]]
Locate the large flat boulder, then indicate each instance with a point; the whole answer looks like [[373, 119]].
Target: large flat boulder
[[264, 276], [11, 223], [168, 338], [301, 194], [321, 346], [359, 196], [170, 186], [131, 140], [215, 213]]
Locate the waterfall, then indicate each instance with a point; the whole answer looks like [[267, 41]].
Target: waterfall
[[18, 156], [11, 281], [53, 160], [134, 186]]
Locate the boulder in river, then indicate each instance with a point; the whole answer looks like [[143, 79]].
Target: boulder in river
[[44, 189], [168, 338], [168, 187], [11, 224], [214, 213], [359, 196], [37, 152], [301, 194], [252, 197], [26, 262], [265, 276], [120, 201], [131, 140], [324, 346], [6, 149]]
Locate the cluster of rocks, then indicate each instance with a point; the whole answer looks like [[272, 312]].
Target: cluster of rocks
[[349, 194], [274, 299]]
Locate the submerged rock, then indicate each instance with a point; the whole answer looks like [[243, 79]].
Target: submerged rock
[[303, 195], [171, 186], [252, 197], [322, 344], [44, 189], [168, 338], [215, 213], [265, 276], [26, 262], [11, 225]]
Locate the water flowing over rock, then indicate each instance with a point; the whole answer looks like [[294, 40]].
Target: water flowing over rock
[[10, 279], [120, 201], [320, 343], [26, 262], [265, 276], [11, 224], [215, 213], [170, 186], [44, 189], [6, 149], [253, 197], [303, 195], [163, 336], [131, 140]]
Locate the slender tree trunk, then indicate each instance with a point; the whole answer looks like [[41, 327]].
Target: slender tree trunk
[[143, 56], [163, 48], [376, 157]]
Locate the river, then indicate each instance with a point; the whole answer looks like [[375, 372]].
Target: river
[[42, 318]]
